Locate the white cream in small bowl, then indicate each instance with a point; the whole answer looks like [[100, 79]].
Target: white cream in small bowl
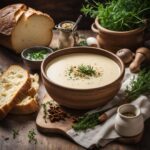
[[129, 120]]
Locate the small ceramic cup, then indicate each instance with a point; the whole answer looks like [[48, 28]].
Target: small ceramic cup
[[129, 120], [34, 64]]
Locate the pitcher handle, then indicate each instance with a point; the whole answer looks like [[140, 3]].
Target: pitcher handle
[[94, 29]]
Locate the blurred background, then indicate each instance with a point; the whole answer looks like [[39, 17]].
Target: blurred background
[[59, 10]]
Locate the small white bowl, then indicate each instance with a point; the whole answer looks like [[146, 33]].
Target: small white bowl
[[129, 126]]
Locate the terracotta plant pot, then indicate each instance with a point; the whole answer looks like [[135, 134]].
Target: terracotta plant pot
[[115, 40]]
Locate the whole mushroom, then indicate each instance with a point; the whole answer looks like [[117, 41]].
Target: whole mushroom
[[126, 55], [142, 54]]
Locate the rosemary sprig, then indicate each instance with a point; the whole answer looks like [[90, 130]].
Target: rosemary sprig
[[31, 136], [86, 121], [15, 133]]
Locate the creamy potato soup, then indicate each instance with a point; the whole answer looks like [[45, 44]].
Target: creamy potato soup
[[82, 70]]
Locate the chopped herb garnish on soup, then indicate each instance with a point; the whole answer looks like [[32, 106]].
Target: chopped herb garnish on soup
[[37, 55], [83, 71], [87, 70]]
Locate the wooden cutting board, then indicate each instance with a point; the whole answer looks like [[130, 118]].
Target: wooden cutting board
[[61, 127], [57, 127]]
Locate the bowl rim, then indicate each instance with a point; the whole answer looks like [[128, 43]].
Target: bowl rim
[[50, 50], [103, 29], [59, 26], [122, 69], [129, 105]]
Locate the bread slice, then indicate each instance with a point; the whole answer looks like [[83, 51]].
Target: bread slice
[[29, 104], [28, 27], [34, 28], [14, 84], [34, 85]]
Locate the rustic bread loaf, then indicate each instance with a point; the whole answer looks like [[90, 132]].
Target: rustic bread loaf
[[22, 27], [14, 83], [29, 104]]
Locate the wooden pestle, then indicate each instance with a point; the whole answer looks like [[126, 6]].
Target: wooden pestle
[[142, 54]]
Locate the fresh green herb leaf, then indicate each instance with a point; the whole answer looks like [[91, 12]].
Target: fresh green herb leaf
[[87, 70], [31, 136], [86, 121], [139, 85], [37, 55], [44, 105], [15, 133], [119, 15], [83, 43], [83, 71]]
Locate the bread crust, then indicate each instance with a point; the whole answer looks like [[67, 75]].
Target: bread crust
[[31, 104], [32, 11], [30, 107], [8, 18]]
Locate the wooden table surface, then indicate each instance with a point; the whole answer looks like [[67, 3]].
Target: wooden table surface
[[50, 141]]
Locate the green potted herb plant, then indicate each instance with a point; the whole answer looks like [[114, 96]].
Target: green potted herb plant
[[119, 23]]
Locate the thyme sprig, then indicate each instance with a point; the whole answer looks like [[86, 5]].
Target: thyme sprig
[[31, 136], [45, 116], [83, 72], [87, 70], [15, 133], [86, 121], [139, 85]]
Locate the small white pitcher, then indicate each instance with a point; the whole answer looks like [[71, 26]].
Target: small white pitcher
[[67, 37], [127, 125]]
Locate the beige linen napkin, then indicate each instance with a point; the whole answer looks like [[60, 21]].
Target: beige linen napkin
[[105, 133]]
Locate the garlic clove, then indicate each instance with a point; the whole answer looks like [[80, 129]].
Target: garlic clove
[[91, 41]]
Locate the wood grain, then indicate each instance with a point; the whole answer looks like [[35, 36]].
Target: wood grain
[[49, 141], [46, 126]]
